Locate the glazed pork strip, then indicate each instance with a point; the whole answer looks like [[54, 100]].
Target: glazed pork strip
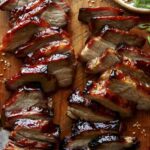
[[102, 142], [26, 104], [55, 47], [51, 13], [20, 34], [119, 22], [30, 139], [137, 57], [86, 129], [11, 145], [18, 12], [95, 48], [100, 64], [127, 88], [85, 14], [117, 37], [33, 74], [8, 5], [101, 93], [137, 74], [39, 40], [85, 109], [62, 67]]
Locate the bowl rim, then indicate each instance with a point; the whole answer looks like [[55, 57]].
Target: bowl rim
[[132, 8]]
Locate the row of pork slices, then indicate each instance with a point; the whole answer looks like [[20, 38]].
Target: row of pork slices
[[38, 38], [114, 54]]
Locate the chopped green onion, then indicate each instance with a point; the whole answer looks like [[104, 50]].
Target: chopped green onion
[[148, 39], [144, 25], [148, 29], [142, 3]]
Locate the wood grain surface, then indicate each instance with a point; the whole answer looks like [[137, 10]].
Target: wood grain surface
[[79, 33]]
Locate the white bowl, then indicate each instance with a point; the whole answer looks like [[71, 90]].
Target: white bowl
[[133, 8]]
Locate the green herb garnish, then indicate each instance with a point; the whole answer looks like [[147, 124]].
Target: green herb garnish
[[148, 39], [145, 26], [142, 3]]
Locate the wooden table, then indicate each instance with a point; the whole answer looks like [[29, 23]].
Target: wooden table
[[79, 33]]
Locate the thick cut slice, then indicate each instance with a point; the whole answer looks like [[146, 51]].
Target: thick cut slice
[[62, 67], [33, 74], [86, 129], [84, 109], [8, 5], [136, 57], [20, 34], [137, 74], [51, 13], [55, 16], [101, 93], [95, 48], [133, 54], [31, 139], [102, 142], [26, 104], [63, 4], [39, 40], [85, 14], [117, 37], [119, 22], [55, 47], [18, 13], [126, 87], [100, 64]]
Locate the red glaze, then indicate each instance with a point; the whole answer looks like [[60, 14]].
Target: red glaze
[[120, 22], [11, 35], [62, 46], [36, 10], [17, 13], [85, 14], [78, 99], [105, 92], [118, 37], [32, 74], [42, 38]]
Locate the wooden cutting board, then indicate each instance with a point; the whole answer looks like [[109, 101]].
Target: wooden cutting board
[[138, 125]]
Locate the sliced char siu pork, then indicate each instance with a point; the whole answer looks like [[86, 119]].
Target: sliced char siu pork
[[117, 37], [26, 107], [117, 90], [95, 48], [8, 5], [62, 67], [20, 34], [101, 142], [85, 109], [100, 64], [51, 13], [136, 57], [33, 74], [55, 47], [40, 39], [119, 22], [100, 93], [137, 74], [28, 138], [86, 14], [86, 129]]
